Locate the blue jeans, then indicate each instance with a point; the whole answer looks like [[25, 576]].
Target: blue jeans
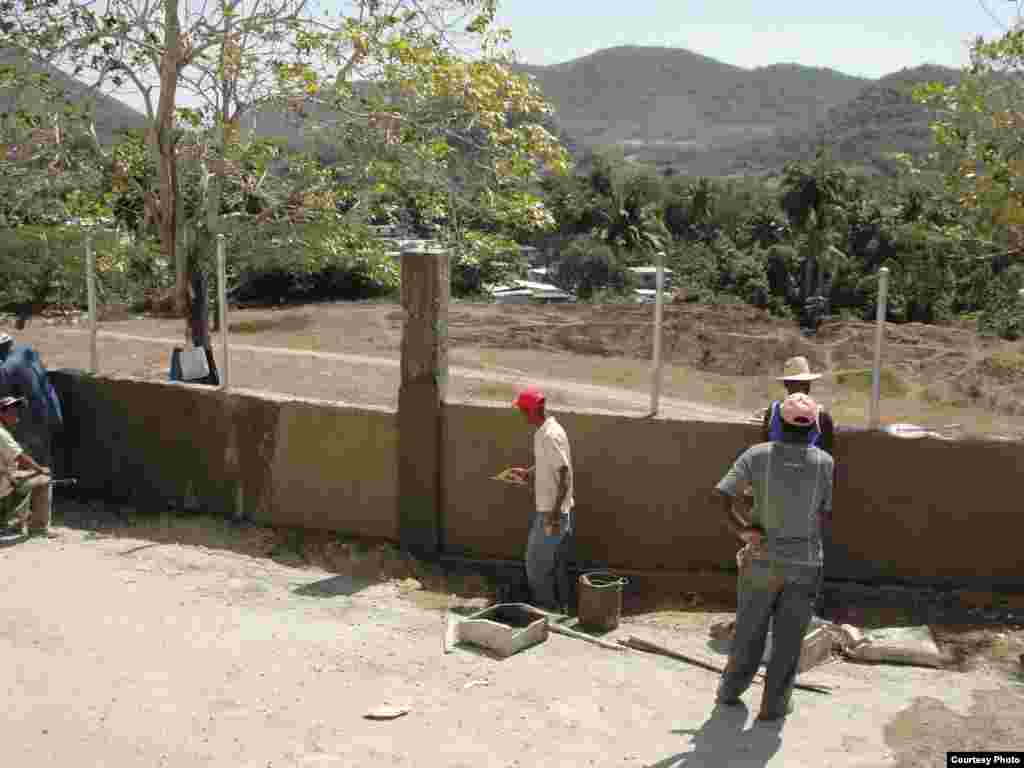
[[782, 595], [547, 563]]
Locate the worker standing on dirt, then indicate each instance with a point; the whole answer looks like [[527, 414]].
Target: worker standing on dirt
[[547, 549], [22, 375], [796, 377], [22, 480], [781, 574]]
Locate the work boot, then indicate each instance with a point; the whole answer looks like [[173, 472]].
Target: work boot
[[732, 702], [770, 716]]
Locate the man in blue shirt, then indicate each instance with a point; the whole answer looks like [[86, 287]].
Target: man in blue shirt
[[797, 377], [22, 375], [781, 568]]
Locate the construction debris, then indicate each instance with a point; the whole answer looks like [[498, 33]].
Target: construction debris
[[894, 645], [504, 629], [897, 645], [386, 712]]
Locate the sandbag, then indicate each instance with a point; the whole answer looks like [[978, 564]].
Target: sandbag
[[899, 645]]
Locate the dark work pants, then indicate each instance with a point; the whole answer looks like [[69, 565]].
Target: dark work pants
[[547, 561], [783, 595]]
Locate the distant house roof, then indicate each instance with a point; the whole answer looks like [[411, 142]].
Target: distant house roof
[[648, 270], [540, 290]]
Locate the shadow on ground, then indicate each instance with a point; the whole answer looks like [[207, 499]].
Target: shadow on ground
[[335, 586], [922, 734], [724, 740]]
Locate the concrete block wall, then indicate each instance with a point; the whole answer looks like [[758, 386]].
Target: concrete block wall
[[642, 487], [922, 512], [278, 460]]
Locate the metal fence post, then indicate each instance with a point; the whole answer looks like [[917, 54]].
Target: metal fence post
[[222, 291], [658, 309], [90, 281], [876, 380]]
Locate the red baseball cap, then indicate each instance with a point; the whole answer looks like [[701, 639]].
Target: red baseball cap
[[529, 399]]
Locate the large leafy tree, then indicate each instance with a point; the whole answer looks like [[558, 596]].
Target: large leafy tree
[[630, 214], [979, 138], [49, 179], [979, 154], [814, 197], [389, 78]]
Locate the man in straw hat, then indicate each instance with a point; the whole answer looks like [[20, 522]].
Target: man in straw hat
[[23, 482], [547, 549], [797, 377], [781, 576]]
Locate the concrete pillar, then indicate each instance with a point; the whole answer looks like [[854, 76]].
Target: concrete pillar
[[425, 291]]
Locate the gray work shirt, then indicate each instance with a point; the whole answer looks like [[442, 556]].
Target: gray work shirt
[[792, 487]]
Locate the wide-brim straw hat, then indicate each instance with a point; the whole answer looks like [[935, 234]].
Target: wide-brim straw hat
[[798, 369]]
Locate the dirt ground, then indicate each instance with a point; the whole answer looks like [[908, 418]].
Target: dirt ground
[[720, 360], [134, 644]]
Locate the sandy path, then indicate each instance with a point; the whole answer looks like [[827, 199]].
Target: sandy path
[[121, 652], [371, 378]]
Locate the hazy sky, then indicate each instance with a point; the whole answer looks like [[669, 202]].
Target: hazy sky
[[860, 37], [870, 38]]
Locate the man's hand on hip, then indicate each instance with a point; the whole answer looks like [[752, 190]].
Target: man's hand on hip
[[751, 537]]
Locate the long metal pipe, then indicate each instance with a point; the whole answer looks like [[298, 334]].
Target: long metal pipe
[[876, 379], [659, 303], [90, 282], [222, 291]]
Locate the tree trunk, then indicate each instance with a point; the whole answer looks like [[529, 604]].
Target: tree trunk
[[810, 265], [207, 245], [167, 208]]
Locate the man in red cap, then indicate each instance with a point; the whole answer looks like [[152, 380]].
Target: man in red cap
[[22, 480], [781, 571], [551, 529]]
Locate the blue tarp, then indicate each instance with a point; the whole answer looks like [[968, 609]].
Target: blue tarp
[[22, 375]]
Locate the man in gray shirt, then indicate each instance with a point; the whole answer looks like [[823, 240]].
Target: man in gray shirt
[[781, 564]]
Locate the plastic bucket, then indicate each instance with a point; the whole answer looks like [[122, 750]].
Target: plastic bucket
[[600, 600]]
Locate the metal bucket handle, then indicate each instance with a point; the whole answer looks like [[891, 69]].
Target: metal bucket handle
[[607, 579]]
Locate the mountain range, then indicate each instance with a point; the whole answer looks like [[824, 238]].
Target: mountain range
[[111, 115], [690, 113], [699, 116]]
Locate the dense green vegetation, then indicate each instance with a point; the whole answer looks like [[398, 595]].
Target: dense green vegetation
[[772, 242], [948, 229]]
